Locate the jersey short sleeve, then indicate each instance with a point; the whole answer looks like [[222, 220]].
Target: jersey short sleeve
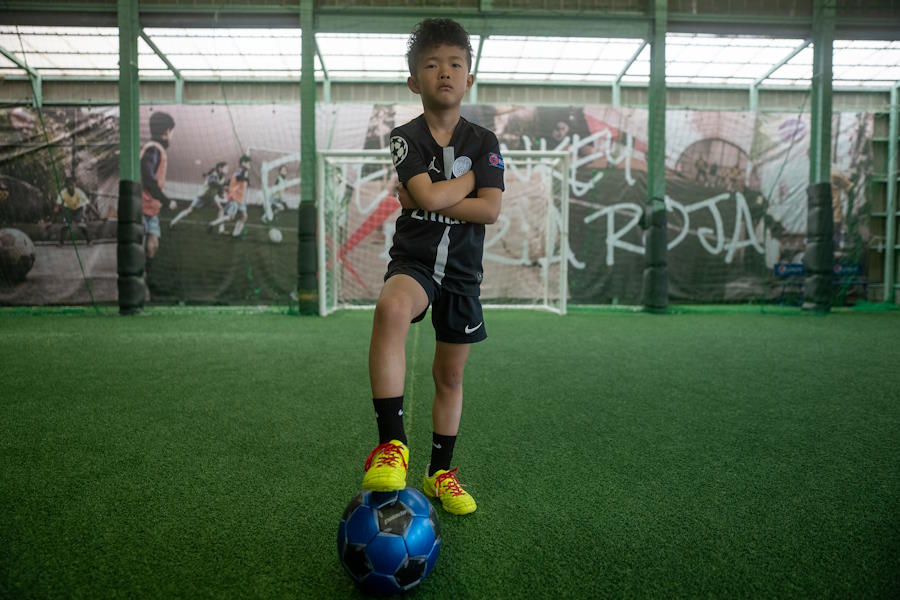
[[489, 167], [405, 155]]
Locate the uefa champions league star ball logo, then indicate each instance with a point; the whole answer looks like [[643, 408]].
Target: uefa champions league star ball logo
[[399, 149]]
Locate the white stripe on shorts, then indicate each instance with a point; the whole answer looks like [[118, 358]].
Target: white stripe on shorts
[[440, 260]]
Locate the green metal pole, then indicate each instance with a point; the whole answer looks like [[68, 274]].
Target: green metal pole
[[130, 229], [37, 86], [754, 87], [818, 256], [617, 84], [893, 173], [307, 287], [179, 79], [656, 273], [473, 93], [326, 84], [820, 127]]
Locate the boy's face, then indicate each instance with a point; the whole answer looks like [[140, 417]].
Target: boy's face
[[168, 134], [442, 77]]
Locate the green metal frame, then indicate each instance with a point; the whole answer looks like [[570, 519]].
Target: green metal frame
[[891, 247], [485, 18], [306, 254], [37, 85], [617, 84], [179, 79], [473, 93], [655, 292], [326, 81], [754, 87], [129, 95], [308, 100], [821, 99]]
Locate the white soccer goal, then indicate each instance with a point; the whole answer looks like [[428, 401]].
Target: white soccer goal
[[525, 252]]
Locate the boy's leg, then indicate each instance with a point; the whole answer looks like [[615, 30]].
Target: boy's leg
[[449, 363], [402, 299], [458, 323], [239, 226], [182, 214], [440, 480]]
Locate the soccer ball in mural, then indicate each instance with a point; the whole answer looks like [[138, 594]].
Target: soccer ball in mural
[[388, 542], [275, 235], [16, 255]]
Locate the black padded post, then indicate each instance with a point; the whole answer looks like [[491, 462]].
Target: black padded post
[[130, 249], [307, 287], [818, 259], [656, 270]]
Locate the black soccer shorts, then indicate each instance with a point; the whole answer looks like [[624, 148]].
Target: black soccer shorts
[[456, 319]]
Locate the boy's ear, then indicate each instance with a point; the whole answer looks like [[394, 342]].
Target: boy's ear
[[470, 79], [413, 85]]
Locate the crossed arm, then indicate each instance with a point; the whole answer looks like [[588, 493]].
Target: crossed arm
[[449, 198]]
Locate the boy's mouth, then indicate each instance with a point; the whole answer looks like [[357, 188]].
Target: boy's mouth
[[445, 88]]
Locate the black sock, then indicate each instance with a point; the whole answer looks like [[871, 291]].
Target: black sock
[[441, 452], [389, 414]]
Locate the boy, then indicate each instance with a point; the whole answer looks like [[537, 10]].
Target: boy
[[212, 188], [277, 204], [74, 203], [451, 174], [153, 178], [237, 187]]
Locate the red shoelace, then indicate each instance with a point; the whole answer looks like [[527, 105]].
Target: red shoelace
[[388, 455], [452, 480]]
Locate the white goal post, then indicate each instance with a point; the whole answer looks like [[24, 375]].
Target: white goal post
[[526, 253]]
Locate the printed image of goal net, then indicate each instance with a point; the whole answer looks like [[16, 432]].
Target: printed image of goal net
[[525, 251]]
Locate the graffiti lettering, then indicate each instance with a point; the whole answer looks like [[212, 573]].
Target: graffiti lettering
[[712, 239]]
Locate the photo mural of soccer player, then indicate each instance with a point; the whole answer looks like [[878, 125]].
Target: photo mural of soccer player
[[74, 204], [277, 204], [213, 187], [153, 179], [235, 204]]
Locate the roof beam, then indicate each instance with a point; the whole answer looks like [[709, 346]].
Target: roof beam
[[754, 87], [179, 79], [473, 93], [485, 18], [617, 84], [326, 84], [37, 85]]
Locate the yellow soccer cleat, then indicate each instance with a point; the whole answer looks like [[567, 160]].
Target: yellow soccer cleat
[[386, 467], [445, 486]]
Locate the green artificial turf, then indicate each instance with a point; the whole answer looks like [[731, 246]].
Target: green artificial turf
[[210, 454]]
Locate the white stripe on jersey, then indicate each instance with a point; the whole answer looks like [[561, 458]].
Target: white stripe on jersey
[[440, 259], [449, 157]]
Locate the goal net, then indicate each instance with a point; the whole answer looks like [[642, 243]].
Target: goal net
[[525, 251]]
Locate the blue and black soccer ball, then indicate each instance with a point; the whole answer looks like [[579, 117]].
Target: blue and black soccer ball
[[388, 542]]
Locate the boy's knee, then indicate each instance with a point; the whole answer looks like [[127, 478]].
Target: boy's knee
[[392, 310], [446, 376]]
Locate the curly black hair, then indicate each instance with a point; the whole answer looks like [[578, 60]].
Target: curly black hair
[[434, 32]]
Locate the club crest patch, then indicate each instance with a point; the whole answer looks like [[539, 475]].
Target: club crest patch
[[495, 160], [461, 166], [399, 150]]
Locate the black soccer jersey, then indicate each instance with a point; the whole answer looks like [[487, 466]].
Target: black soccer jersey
[[450, 250]]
